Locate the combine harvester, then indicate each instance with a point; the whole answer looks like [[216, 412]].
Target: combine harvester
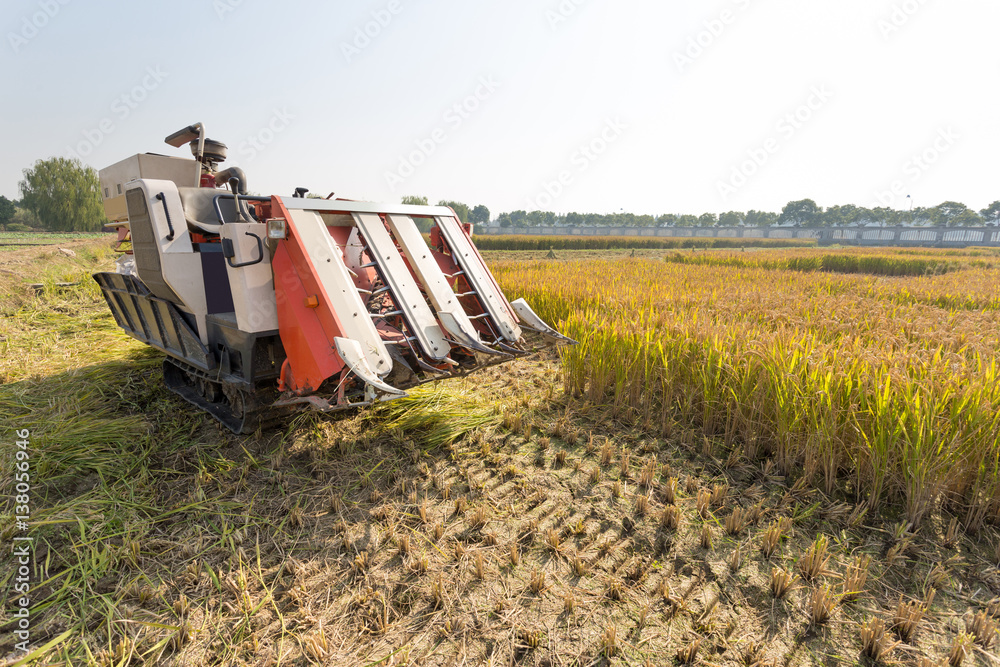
[[266, 304]]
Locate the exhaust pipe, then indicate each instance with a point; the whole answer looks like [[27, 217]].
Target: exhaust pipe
[[230, 174]]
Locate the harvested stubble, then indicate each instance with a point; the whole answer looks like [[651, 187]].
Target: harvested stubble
[[772, 538], [686, 655], [782, 581], [736, 559], [813, 562], [875, 642], [960, 649], [735, 521], [907, 617], [670, 517], [855, 578], [706, 537], [893, 382], [609, 641], [822, 603], [143, 503], [982, 628]]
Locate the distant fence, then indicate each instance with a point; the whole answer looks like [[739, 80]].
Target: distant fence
[[944, 237]]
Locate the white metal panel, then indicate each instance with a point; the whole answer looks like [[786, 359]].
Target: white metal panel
[[404, 290], [253, 285], [181, 241], [113, 179], [431, 276], [479, 277], [333, 275], [917, 235], [179, 263]]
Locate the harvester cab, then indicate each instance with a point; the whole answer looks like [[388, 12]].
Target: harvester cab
[[267, 304]]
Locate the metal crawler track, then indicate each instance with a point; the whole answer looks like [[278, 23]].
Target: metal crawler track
[[239, 410]]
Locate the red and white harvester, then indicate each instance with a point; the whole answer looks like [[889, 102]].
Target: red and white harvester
[[264, 304]]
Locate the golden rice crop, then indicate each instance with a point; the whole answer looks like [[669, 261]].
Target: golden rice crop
[[871, 384]]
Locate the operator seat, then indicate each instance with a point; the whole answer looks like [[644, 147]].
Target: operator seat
[[200, 211]]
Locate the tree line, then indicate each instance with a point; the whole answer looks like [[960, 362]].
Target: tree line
[[803, 213], [61, 194], [479, 214]]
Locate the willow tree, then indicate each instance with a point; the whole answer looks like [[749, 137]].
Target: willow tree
[[7, 211], [64, 195]]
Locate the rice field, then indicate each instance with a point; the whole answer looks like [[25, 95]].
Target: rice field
[[738, 465], [874, 261], [884, 389]]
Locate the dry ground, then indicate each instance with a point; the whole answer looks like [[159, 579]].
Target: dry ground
[[494, 520]]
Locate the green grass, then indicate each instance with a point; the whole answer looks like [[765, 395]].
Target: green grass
[[93, 445], [130, 485], [32, 237]]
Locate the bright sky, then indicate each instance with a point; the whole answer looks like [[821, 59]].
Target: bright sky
[[567, 105]]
